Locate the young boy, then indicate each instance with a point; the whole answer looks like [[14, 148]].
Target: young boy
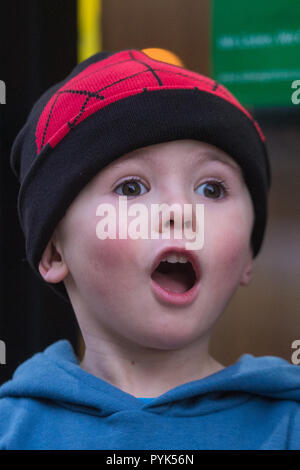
[[124, 124]]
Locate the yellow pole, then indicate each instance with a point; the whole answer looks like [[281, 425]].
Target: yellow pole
[[89, 28]]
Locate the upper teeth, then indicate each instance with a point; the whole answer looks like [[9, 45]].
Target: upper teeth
[[174, 258]]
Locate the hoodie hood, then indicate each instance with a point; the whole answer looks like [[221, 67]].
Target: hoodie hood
[[55, 375]]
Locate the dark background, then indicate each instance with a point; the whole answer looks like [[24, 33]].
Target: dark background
[[38, 47]]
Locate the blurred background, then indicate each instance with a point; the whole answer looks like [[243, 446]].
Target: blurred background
[[253, 48]]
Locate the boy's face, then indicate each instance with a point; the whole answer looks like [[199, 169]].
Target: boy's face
[[109, 281]]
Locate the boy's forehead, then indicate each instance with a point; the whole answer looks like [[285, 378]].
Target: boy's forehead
[[191, 152]]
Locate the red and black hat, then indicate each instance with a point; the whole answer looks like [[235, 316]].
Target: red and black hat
[[109, 105]]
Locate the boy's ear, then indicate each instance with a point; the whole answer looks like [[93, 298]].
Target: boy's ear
[[248, 271], [52, 265]]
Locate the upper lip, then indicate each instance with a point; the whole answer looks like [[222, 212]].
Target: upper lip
[[190, 256]]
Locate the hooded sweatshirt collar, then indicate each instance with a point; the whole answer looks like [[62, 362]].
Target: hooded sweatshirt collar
[[55, 375]]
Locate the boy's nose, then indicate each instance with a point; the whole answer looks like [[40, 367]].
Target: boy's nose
[[176, 217]]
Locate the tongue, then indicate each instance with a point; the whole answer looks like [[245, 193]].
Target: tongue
[[175, 281]]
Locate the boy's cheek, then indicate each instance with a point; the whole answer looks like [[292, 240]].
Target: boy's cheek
[[101, 265], [227, 241], [233, 252], [116, 254]]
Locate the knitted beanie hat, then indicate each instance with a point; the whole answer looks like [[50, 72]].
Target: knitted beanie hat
[[109, 105]]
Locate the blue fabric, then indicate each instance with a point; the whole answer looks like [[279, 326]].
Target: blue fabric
[[51, 403], [146, 400]]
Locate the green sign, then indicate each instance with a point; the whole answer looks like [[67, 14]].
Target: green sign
[[256, 49]]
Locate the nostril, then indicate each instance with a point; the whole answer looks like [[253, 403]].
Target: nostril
[[169, 222]]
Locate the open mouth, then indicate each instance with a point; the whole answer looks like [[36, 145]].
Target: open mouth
[[175, 274]]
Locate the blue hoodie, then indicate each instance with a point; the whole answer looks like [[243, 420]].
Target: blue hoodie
[[51, 403]]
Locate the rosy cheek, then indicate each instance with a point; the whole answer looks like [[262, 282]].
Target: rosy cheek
[[112, 252], [116, 256], [232, 248], [227, 246]]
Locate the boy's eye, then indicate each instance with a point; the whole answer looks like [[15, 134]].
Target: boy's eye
[[212, 189], [130, 188], [135, 187]]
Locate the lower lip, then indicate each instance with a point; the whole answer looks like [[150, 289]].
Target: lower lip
[[175, 298]]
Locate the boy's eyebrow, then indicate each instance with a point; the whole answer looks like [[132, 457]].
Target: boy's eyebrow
[[119, 165], [213, 156], [207, 155]]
